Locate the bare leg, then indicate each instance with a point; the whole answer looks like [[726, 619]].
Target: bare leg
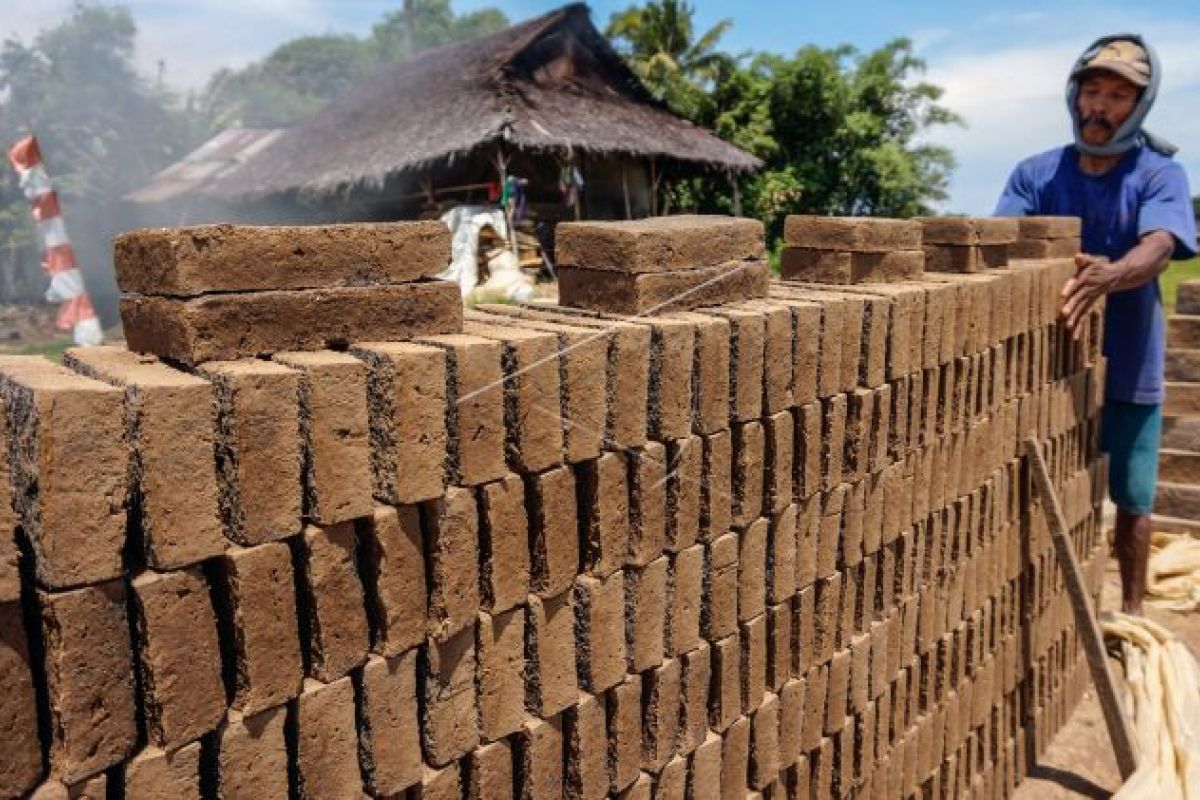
[[1132, 546]]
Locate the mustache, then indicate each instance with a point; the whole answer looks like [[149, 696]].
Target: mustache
[[1093, 119]]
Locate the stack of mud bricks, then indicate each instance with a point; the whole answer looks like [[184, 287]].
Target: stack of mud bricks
[[779, 547], [1177, 506]]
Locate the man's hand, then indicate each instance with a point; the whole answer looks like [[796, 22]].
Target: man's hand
[[1095, 276]]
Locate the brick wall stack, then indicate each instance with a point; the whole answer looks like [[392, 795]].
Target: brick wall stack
[[1177, 506], [777, 547]]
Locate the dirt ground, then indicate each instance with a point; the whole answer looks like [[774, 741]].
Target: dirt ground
[[1080, 762]]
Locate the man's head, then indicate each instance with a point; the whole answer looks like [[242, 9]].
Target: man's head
[[1110, 91]]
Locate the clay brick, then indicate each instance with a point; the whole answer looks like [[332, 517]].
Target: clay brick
[[504, 545], [685, 481], [88, 672], [242, 258], [659, 292], [764, 743], [554, 534], [334, 435], [449, 722], [845, 267], [735, 760], [251, 756], [406, 386], [684, 600], [672, 780], [1043, 227], [807, 460], [752, 570], [475, 407], [334, 620], [695, 680], [968, 230], [672, 361], [754, 662], [232, 326], [660, 710], [22, 763], [624, 709], [855, 234], [725, 699], [393, 564], [659, 243], [440, 784], [779, 450], [645, 615], [647, 503], [604, 497], [966, 258], [179, 659], [490, 772], [747, 356], [779, 645], [326, 741], [585, 731], [389, 732], [539, 759], [806, 348], [719, 612], [804, 630], [1044, 248], [157, 773], [170, 418], [551, 682], [833, 437], [710, 372], [828, 605], [749, 451], [69, 469], [778, 355], [716, 497], [600, 630], [829, 531], [704, 782], [501, 650], [791, 721]]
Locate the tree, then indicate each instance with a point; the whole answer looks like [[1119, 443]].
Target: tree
[[422, 24], [658, 40]]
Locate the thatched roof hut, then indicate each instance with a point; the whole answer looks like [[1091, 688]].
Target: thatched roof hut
[[550, 84]]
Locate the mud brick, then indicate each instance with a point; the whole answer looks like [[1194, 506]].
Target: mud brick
[[326, 740], [725, 700], [653, 293], [500, 645], [719, 612], [779, 645], [684, 598], [781, 567], [660, 243], [710, 371], [851, 547], [600, 630], [490, 772], [439, 784], [604, 493], [808, 531], [170, 419], [817, 681], [551, 682], [854, 234], [778, 453], [238, 325], [89, 671], [661, 708], [764, 743], [747, 355], [407, 404], [640, 789], [735, 760], [334, 435], [449, 718], [704, 779], [829, 536], [695, 679], [671, 783], [532, 394], [10, 574], [968, 230], [69, 469], [251, 756], [749, 471], [645, 614], [965, 258], [716, 497], [647, 503], [585, 732], [837, 691], [672, 361], [554, 533], [754, 662], [504, 546], [1048, 227], [157, 773], [334, 621], [791, 721], [624, 709], [179, 659], [826, 616], [22, 764], [846, 267], [685, 476], [1044, 248], [389, 733], [860, 410], [474, 407], [880, 431], [833, 436], [778, 355], [835, 322]]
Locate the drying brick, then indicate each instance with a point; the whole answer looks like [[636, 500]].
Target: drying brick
[[647, 503], [393, 573], [685, 476], [389, 730], [854, 234], [684, 587], [645, 614], [452, 556], [326, 741], [600, 631], [653, 293], [551, 684], [501, 649], [585, 731], [158, 773], [334, 614], [449, 707], [659, 244], [604, 496], [504, 544], [553, 531], [22, 763]]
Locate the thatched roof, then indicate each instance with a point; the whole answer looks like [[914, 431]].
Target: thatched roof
[[553, 83]]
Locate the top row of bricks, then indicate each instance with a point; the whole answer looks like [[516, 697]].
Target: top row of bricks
[[187, 262]]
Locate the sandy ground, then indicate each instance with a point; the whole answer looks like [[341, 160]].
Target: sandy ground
[[1080, 762]]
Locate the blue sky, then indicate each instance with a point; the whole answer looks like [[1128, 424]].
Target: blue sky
[[1002, 64]]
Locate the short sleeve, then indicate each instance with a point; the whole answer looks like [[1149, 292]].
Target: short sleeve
[[1019, 196], [1166, 205]]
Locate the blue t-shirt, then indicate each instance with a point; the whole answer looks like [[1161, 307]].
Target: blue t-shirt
[[1144, 192]]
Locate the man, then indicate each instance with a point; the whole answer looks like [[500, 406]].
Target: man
[[1137, 216]]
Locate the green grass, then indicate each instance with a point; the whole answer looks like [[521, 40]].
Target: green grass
[[52, 350], [1178, 272]]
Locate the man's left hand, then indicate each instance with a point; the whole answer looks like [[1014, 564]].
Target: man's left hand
[[1095, 276]]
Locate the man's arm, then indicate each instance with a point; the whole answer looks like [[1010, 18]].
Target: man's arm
[[1096, 276]]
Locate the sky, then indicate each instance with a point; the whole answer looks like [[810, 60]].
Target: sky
[[1003, 64]]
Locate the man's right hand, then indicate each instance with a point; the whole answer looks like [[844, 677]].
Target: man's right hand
[[1095, 276]]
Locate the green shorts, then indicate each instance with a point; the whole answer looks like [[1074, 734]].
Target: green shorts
[[1130, 434]]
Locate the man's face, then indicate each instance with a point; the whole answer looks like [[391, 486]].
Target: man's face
[[1105, 101]]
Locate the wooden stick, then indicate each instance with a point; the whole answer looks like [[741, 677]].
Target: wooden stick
[[1119, 730]]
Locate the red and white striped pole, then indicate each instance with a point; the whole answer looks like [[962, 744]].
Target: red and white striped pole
[[58, 257]]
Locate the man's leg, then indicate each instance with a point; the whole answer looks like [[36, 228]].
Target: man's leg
[[1131, 433]]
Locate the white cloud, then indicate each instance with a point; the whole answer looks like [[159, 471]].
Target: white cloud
[[1011, 98]]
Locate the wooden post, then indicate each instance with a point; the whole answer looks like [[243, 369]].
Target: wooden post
[[501, 162], [653, 186], [737, 193], [625, 189], [1119, 730]]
